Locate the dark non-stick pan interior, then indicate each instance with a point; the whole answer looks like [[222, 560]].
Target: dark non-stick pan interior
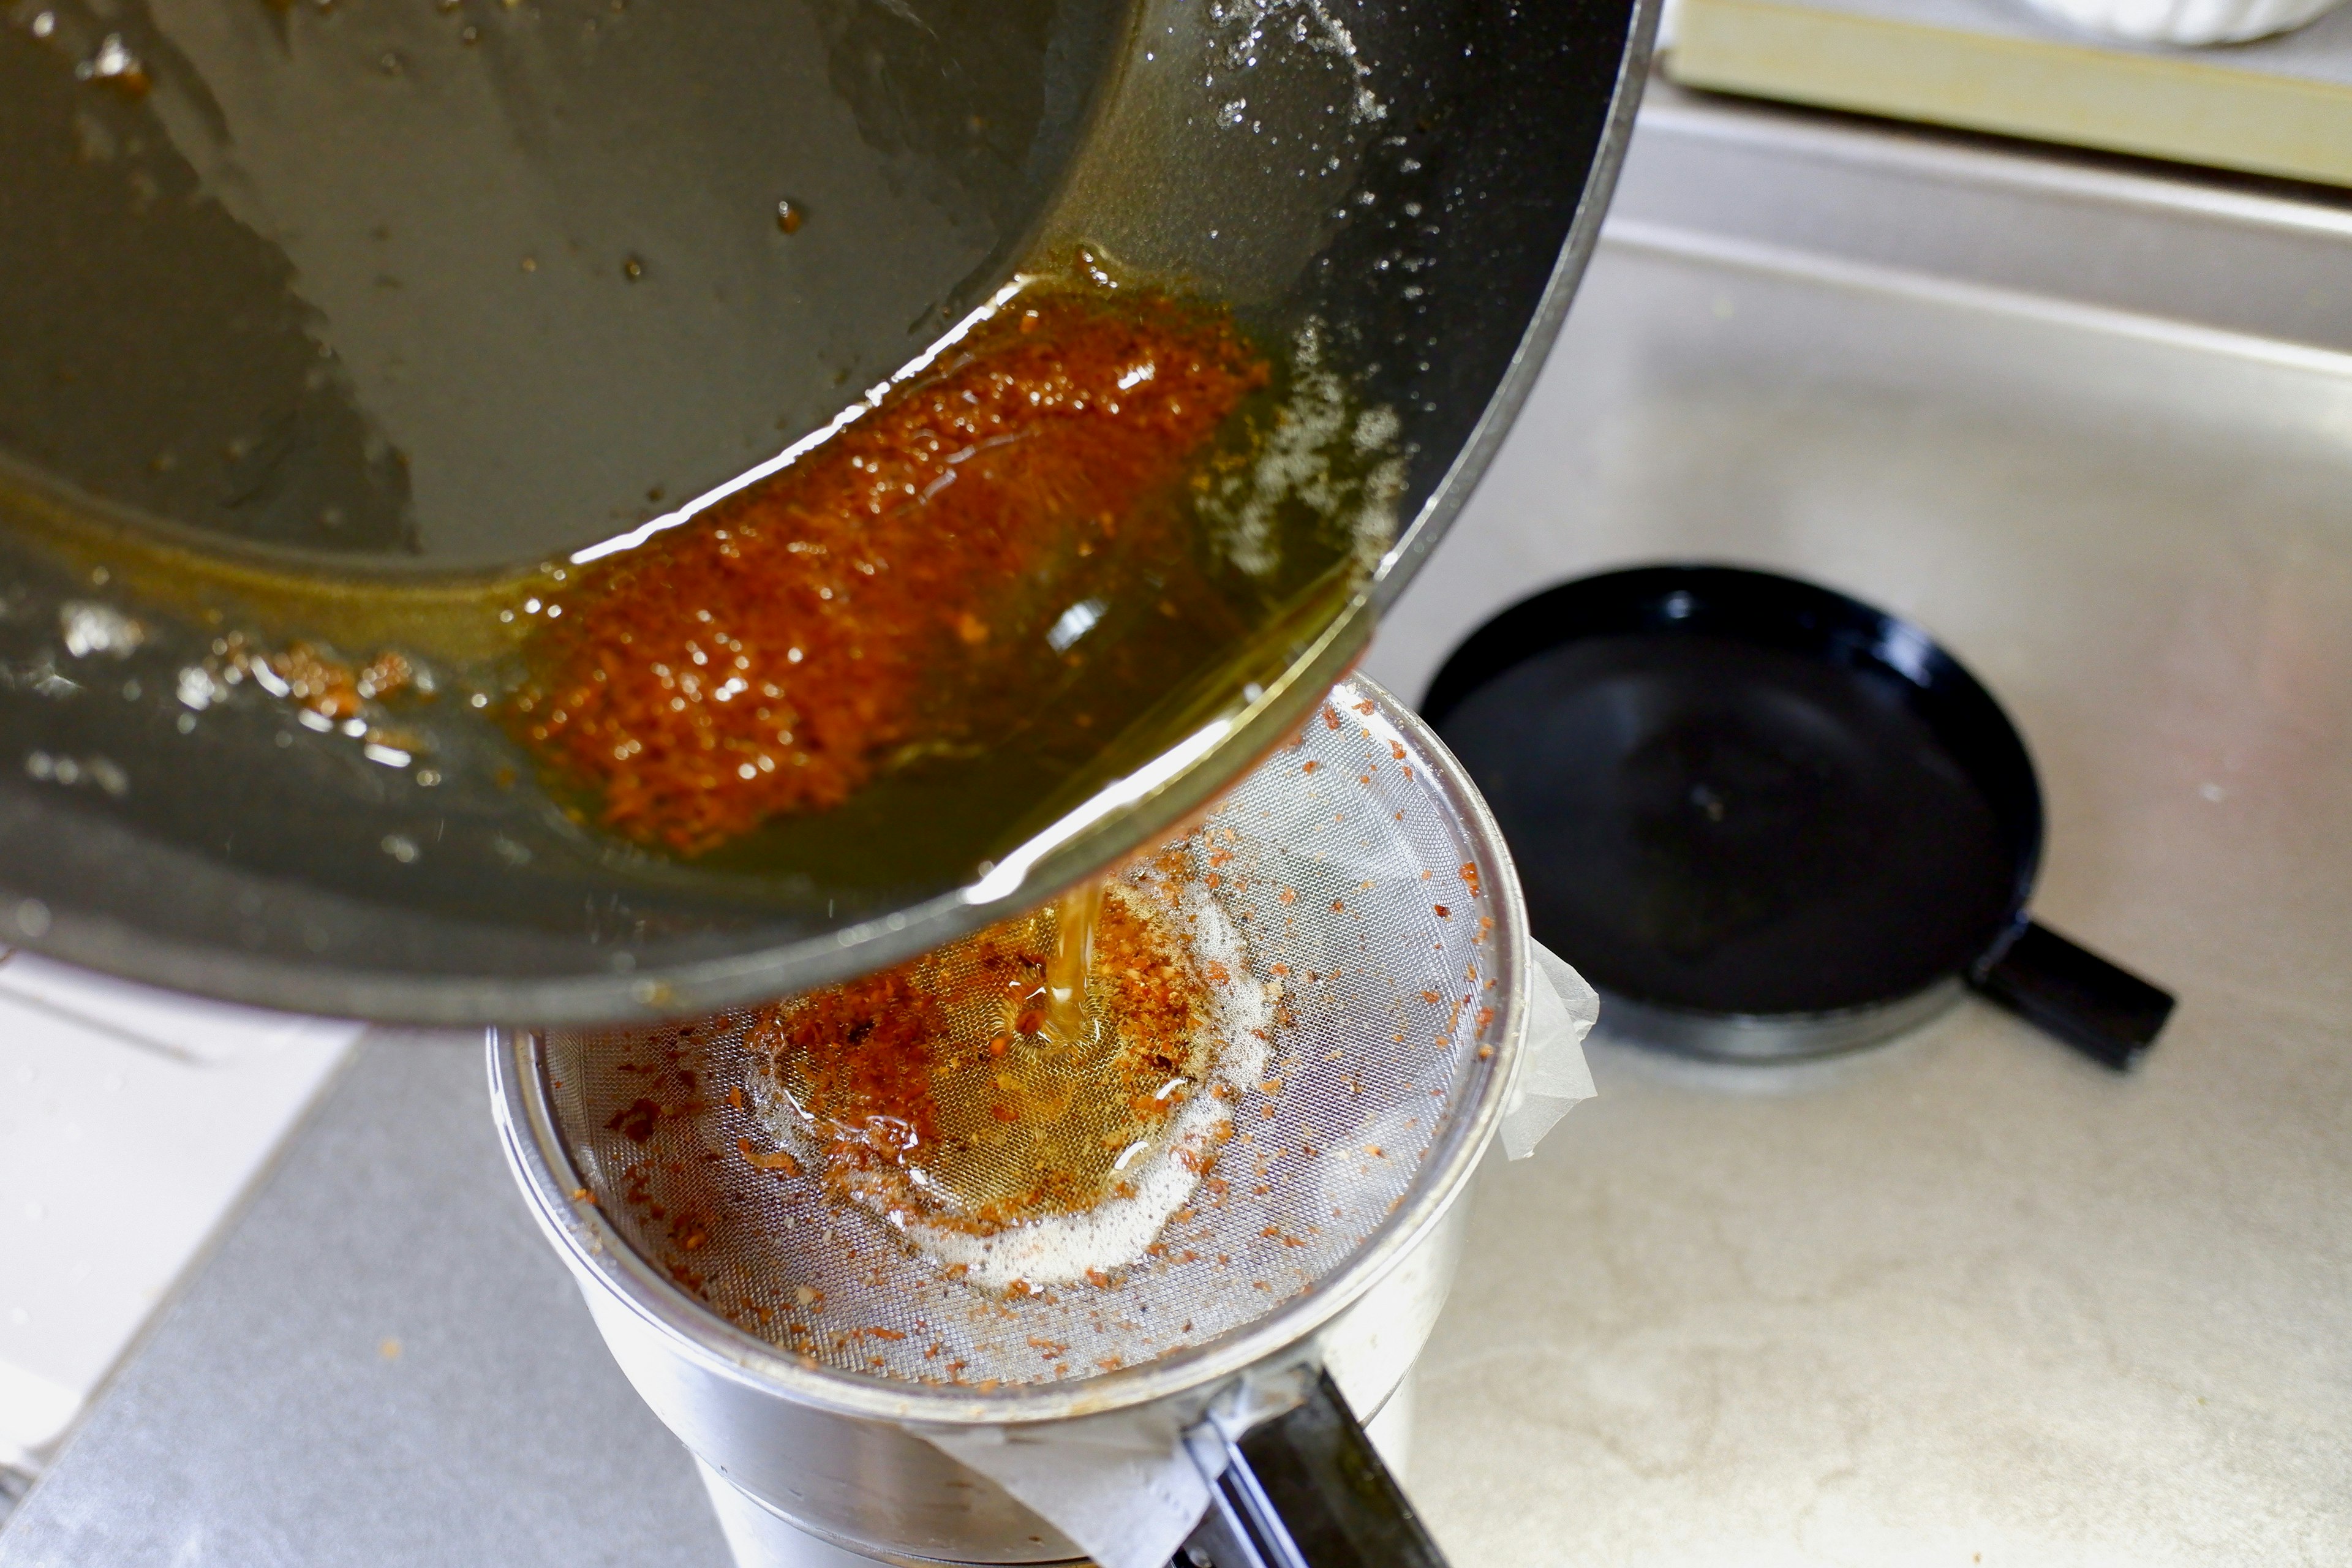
[[464, 285], [1732, 793], [383, 303]]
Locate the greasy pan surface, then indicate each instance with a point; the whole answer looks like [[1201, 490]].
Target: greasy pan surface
[[346, 319]]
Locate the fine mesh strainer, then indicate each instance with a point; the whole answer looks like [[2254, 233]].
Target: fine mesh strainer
[[1355, 911]]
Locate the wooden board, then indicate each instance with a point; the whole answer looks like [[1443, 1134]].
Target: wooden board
[[2280, 106]]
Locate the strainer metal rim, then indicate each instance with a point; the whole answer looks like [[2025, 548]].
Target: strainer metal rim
[[561, 1204]]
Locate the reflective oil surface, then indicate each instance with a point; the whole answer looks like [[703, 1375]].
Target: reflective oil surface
[[469, 283], [387, 331], [942, 1096]]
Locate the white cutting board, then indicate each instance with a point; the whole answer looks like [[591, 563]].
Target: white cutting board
[[131, 1120]]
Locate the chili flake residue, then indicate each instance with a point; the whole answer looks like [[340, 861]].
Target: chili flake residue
[[937, 1097], [769, 657]]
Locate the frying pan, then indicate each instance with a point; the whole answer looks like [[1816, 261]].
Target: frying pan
[[331, 320], [1768, 820]]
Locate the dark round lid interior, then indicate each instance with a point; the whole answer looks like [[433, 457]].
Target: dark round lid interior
[[1720, 816]]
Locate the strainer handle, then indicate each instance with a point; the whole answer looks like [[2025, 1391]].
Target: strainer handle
[[1308, 1491]]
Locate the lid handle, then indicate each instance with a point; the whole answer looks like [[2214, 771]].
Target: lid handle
[[2101, 1009]]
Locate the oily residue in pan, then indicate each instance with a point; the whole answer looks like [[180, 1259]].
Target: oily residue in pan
[[766, 657]]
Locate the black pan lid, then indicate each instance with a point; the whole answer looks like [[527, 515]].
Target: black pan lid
[[1733, 793]]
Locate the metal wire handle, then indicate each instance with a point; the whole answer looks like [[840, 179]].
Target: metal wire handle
[[1308, 1490]]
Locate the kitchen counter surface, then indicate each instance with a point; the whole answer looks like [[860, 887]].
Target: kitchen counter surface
[[383, 1364], [1967, 1298], [1964, 1299]]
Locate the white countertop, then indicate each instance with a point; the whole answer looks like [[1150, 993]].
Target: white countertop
[[130, 1122], [1967, 1298]]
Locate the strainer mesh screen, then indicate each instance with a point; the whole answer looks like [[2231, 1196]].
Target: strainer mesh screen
[[1344, 902]]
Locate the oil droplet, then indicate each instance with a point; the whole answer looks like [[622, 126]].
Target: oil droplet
[[790, 216], [115, 65], [632, 268], [89, 629]]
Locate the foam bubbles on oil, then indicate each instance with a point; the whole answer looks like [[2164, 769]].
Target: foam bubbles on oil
[[1245, 28], [1323, 453]]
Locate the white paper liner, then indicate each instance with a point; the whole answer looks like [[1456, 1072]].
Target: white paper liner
[[1123, 1485], [1561, 1010]]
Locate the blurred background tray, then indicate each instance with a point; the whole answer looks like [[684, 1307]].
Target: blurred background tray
[[2279, 106]]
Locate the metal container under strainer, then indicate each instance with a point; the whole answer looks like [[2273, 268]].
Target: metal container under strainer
[[821, 1363]]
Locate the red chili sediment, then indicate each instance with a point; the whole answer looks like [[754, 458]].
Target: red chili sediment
[[764, 658], [866, 1052], [869, 1061]]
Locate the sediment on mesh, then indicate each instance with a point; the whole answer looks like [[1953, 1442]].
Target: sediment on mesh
[[1350, 918]]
